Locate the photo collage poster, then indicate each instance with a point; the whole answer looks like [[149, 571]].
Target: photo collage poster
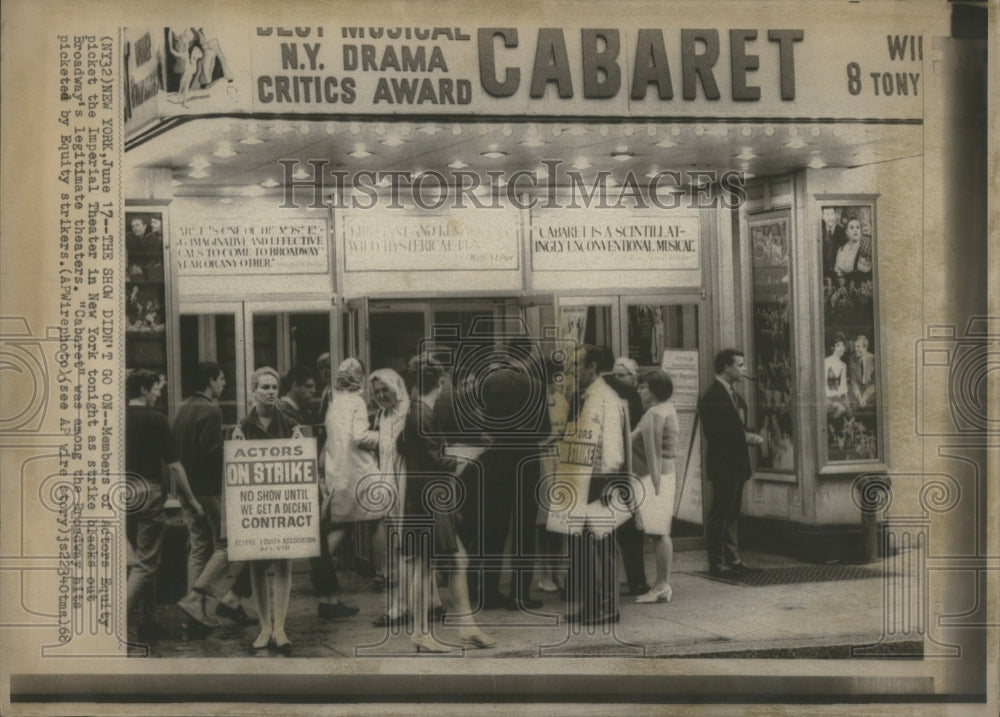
[[850, 336]]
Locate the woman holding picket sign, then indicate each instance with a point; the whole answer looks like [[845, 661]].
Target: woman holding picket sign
[[266, 421]]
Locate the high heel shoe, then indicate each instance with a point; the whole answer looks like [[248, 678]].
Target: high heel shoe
[[263, 641], [478, 639], [427, 643], [281, 644], [664, 594]]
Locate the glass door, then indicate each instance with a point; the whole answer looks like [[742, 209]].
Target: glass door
[[215, 332], [589, 320], [243, 336], [666, 332]]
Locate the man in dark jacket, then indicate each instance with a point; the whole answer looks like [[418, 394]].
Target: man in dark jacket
[[198, 429], [516, 417], [727, 464]]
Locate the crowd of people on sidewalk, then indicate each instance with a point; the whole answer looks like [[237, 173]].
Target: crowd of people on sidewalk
[[446, 472]]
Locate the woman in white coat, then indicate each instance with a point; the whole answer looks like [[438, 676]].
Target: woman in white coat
[[351, 462]]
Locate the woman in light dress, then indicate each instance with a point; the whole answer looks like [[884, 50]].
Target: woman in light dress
[[654, 449]]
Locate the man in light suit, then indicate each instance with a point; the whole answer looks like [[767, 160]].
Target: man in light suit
[[727, 464], [597, 416]]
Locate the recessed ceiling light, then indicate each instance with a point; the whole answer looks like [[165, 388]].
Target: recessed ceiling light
[[495, 154], [814, 131], [430, 129], [200, 163], [393, 141], [280, 128], [458, 164], [628, 131], [651, 130], [269, 183], [796, 143], [360, 152], [198, 174], [747, 130], [304, 128], [582, 163], [556, 130], [532, 142], [380, 128], [816, 163], [301, 174], [665, 143], [577, 130], [456, 129], [769, 130], [224, 149], [331, 128], [746, 154], [621, 154], [507, 130], [355, 128], [251, 140], [675, 131]]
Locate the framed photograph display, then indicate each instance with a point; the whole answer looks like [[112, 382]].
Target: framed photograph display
[[773, 405], [146, 294], [850, 371]]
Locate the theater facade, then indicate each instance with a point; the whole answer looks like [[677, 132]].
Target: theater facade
[[663, 184]]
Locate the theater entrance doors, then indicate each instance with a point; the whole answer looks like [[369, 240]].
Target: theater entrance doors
[[245, 335]]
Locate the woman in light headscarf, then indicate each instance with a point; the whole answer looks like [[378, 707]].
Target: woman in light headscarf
[[350, 461], [392, 398]]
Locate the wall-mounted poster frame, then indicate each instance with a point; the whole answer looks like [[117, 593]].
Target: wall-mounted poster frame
[[150, 311], [772, 329], [851, 388]]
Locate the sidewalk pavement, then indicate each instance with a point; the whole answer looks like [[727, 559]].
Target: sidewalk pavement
[[705, 618]]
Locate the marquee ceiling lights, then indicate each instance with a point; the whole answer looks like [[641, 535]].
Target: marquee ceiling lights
[[270, 183], [506, 146]]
